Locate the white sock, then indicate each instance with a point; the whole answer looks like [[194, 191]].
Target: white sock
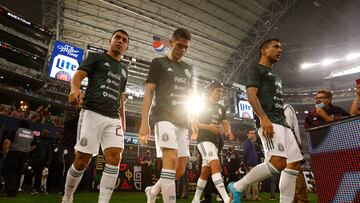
[[257, 174], [107, 183], [155, 189], [219, 184], [287, 185], [200, 186], [73, 179], [167, 184]]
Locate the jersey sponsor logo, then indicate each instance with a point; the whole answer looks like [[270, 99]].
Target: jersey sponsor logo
[[83, 141], [281, 147], [278, 83], [123, 72], [165, 137], [169, 69], [107, 64], [187, 73]]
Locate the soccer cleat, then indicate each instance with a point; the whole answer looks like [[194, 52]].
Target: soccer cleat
[[149, 198], [235, 196]]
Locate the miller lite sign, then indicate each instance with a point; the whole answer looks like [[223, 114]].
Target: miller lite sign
[[244, 109], [65, 60]]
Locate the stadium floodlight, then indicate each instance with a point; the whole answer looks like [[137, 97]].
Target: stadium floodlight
[[327, 62], [195, 105], [352, 56], [343, 72], [308, 65]]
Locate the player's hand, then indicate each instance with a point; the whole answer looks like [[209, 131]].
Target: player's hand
[[144, 133], [215, 129], [193, 136], [75, 97], [267, 127]]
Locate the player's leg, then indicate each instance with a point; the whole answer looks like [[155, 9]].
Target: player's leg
[[88, 135], [204, 175], [289, 174], [214, 163], [167, 149], [112, 142], [275, 161]]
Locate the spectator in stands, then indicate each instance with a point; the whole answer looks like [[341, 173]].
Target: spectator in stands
[[38, 117], [3, 109], [16, 147], [9, 110], [18, 113], [232, 164], [355, 109], [251, 160], [324, 111], [146, 169], [56, 170], [41, 158]]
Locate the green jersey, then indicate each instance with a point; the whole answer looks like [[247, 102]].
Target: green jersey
[[107, 78], [213, 113], [270, 93], [173, 82]]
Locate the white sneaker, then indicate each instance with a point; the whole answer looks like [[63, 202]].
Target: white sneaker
[[149, 198]]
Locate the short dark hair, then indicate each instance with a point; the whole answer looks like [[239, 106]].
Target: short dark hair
[[326, 93], [249, 129], [24, 124], [182, 33], [266, 43], [122, 31]]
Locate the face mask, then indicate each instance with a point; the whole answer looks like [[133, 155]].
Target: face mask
[[320, 105]]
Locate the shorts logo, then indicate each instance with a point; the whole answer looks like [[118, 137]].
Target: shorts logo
[[281, 147], [119, 131], [210, 153], [165, 137], [83, 141]]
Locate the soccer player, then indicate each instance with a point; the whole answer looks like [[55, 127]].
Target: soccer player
[[102, 119], [264, 90], [206, 131], [169, 80]]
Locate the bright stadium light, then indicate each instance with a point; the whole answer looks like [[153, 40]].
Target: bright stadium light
[[348, 71], [195, 105], [352, 56], [327, 62], [308, 65]]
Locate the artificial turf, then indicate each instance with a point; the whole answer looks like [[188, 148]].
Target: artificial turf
[[118, 197]]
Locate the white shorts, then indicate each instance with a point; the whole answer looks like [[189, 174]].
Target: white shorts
[[94, 128], [283, 144], [208, 152], [167, 135]]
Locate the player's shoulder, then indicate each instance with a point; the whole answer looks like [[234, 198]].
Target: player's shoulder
[[96, 56], [186, 65]]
